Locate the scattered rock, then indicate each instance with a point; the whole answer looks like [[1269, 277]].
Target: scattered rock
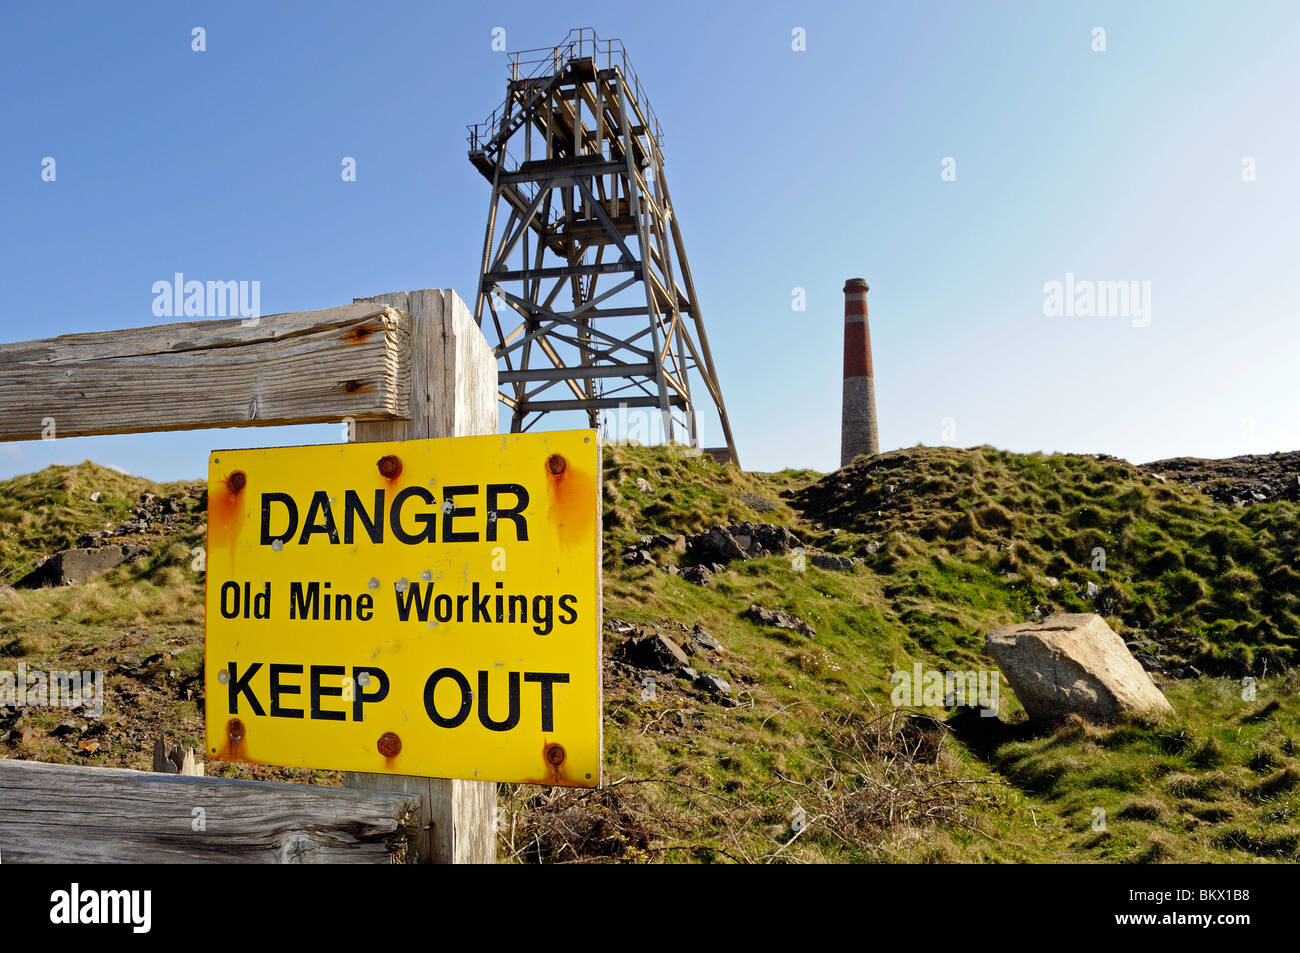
[[689, 673], [1149, 662], [713, 684], [19, 736], [655, 651], [642, 552], [643, 484], [697, 574], [714, 544], [834, 563], [779, 619], [1072, 664], [701, 641], [759, 504], [1092, 589], [722, 544]]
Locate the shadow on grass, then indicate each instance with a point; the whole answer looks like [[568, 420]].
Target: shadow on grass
[[984, 736]]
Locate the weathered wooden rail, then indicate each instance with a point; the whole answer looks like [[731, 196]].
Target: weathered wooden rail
[[60, 813], [402, 366], [308, 367]]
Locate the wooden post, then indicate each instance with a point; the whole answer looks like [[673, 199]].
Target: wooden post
[[174, 759], [453, 394]]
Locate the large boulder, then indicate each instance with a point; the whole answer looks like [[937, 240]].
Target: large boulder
[[72, 566], [1072, 665]]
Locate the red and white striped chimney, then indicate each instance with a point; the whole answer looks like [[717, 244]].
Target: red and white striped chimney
[[858, 434]]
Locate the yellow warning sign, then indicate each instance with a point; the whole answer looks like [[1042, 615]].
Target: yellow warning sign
[[425, 607]]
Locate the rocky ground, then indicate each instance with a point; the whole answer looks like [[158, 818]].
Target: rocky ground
[[1236, 481]]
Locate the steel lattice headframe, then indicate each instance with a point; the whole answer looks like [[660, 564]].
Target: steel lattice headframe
[[575, 163]]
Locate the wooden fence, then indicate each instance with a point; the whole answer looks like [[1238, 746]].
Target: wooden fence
[[402, 366]]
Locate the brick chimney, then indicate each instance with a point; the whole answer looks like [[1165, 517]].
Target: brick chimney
[[858, 434]]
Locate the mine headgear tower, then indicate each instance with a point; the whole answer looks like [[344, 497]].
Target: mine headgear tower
[[585, 291]]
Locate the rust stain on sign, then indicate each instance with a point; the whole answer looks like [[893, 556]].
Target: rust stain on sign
[[226, 502], [554, 756], [569, 488], [234, 749]]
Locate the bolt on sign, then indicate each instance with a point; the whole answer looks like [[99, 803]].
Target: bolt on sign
[[423, 607]]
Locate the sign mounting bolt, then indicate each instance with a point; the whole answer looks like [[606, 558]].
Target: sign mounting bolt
[[556, 464], [390, 467], [235, 482], [555, 754], [389, 744]]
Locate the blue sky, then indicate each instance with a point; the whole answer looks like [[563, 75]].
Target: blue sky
[[789, 169]]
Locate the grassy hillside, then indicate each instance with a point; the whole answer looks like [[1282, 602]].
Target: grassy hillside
[[1201, 582], [808, 760], [45, 511]]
